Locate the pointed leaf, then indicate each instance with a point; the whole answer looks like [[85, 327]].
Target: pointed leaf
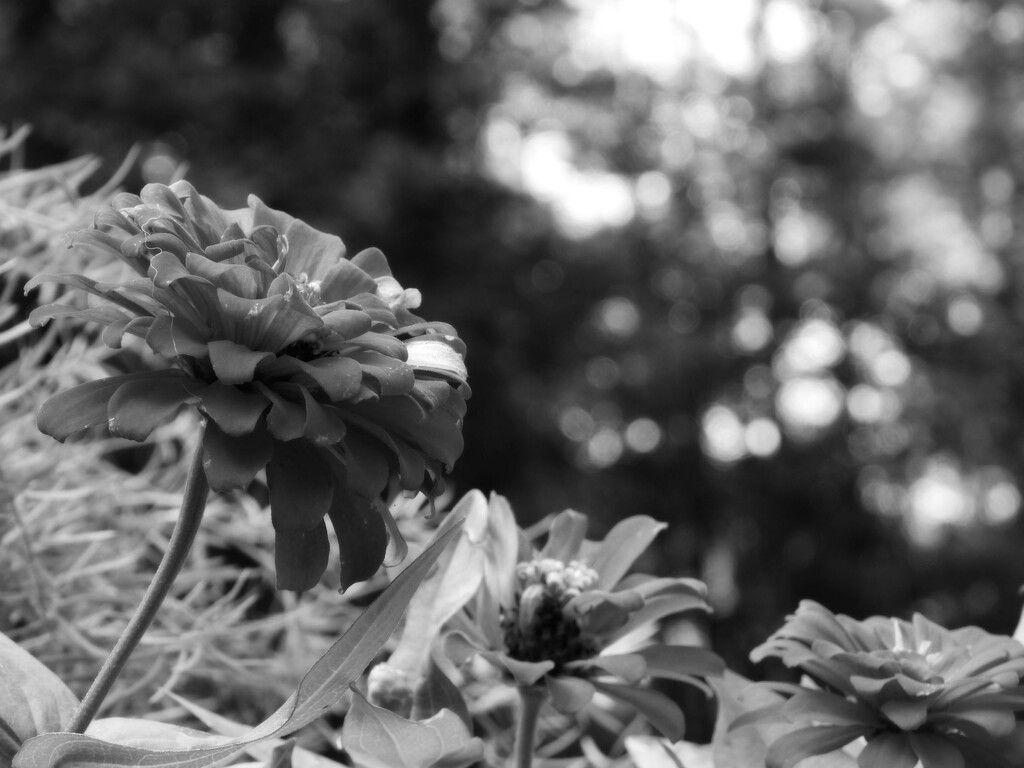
[[323, 686], [378, 738], [681, 661], [660, 711], [32, 699], [798, 745]]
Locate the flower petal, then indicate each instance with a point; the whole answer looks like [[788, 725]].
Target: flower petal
[[887, 750], [300, 557], [935, 751], [310, 252], [362, 536], [393, 376], [287, 419], [138, 406], [828, 709], [232, 462], [347, 323], [85, 405], [345, 280], [323, 427], [569, 695], [236, 411], [565, 536], [234, 363], [270, 324], [624, 543], [436, 355], [239, 279], [301, 485]]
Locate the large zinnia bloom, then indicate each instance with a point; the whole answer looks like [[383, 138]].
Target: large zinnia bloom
[[569, 620], [303, 362], [917, 692]]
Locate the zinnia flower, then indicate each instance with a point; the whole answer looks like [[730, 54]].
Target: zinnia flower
[[302, 361], [569, 620], [917, 692]]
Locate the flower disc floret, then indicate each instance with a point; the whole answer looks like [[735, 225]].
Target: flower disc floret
[[912, 689], [304, 362]]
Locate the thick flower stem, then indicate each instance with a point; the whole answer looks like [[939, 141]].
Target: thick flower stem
[[192, 505], [530, 699]]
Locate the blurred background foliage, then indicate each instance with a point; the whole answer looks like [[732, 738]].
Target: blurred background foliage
[[751, 267]]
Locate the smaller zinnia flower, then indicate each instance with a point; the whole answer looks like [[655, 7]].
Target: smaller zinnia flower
[[569, 621], [919, 694], [303, 362]]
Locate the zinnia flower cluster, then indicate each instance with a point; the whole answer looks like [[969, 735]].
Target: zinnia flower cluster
[[919, 694], [568, 618], [303, 362]]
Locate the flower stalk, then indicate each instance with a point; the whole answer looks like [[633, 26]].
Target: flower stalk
[[531, 697], [193, 504]]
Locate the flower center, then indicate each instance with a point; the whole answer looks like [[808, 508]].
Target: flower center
[[541, 626]]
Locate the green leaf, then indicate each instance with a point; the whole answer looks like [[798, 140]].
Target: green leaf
[[660, 711], [263, 750], [151, 734], [796, 746], [32, 699], [681, 661], [449, 587], [378, 738], [323, 686], [653, 752]]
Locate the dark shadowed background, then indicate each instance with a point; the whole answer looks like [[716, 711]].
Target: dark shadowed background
[[752, 267]]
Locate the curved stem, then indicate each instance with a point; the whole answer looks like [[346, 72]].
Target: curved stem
[[530, 699], [192, 505]]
